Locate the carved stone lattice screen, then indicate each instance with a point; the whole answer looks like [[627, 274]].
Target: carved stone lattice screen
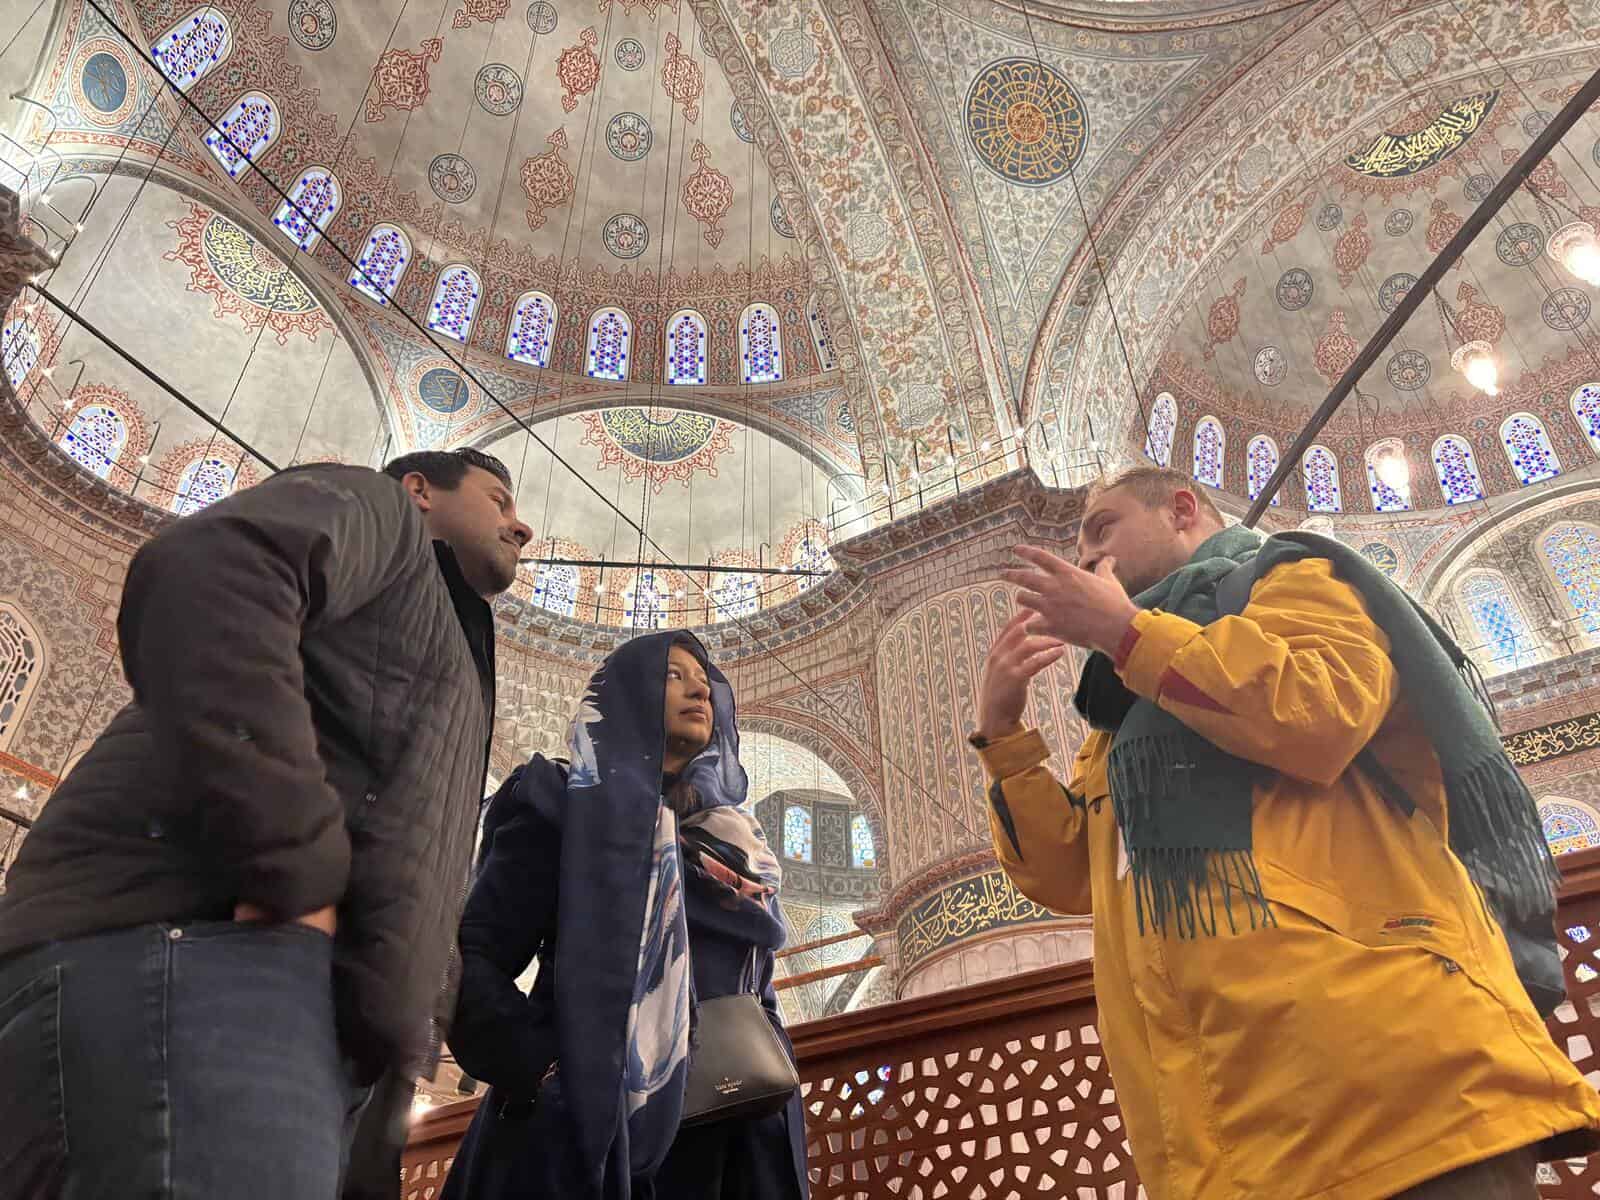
[[1000, 1091]]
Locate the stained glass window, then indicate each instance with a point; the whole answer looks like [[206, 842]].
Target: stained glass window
[[245, 130], [862, 852], [760, 344], [821, 335], [1321, 471], [686, 347], [193, 46], [1163, 426], [20, 660], [644, 604], [533, 329], [19, 348], [610, 332], [1528, 447], [312, 202], [1457, 469], [1573, 552], [557, 588], [1568, 826], [203, 482], [1209, 443], [735, 596], [382, 262], [95, 438], [1261, 460], [797, 833], [1503, 637], [811, 555], [1586, 408], [1392, 494], [455, 302]]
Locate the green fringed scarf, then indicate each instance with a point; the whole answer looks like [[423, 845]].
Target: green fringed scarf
[[1184, 806]]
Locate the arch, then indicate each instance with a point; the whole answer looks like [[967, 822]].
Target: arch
[[193, 47], [1571, 552], [1457, 470], [821, 334], [96, 438], [244, 133], [533, 329], [1161, 430], [1568, 824], [204, 481], [1528, 448], [21, 667], [1504, 640], [686, 347], [312, 201], [646, 603], [797, 833], [608, 354], [1261, 460], [19, 350], [556, 588], [1394, 494], [863, 850], [737, 595], [760, 344], [1585, 403], [1210, 444], [383, 261], [455, 302], [1321, 471]]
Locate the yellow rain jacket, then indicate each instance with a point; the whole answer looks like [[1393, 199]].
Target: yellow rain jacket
[[1377, 1036]]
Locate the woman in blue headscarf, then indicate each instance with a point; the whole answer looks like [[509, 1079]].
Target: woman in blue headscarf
[[640, 885]]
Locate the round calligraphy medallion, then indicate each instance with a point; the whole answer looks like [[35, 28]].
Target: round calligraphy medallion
[[1478, 187], [1331, 217], [1565, 309], [498, 89], [626, 235], [313, 23], [630, 54], [1295, 289], [662, 436], [628, 136], [252, 271], [780, 219], [443, 390], [1271, 366], [1027, 123], [1534, 123], [1519, 245], [1408, 370], [1394, 289], [452, 178], [103, 85], [741, 123], [1399, 222], [1382, 556], [542, 17]]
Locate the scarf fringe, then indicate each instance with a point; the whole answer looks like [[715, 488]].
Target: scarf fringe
[[1495, 831], [1176, 891]]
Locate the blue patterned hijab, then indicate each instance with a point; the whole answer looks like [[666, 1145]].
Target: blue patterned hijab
[[624, 994]]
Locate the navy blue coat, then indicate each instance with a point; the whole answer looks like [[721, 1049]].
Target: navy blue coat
[[509, 1041]]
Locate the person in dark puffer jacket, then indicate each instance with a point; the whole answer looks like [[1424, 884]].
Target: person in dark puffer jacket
[[230, 937]]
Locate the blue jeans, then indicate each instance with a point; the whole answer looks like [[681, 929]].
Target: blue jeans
[[178, 1062]]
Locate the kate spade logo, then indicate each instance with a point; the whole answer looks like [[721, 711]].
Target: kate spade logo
[[727, 1087]]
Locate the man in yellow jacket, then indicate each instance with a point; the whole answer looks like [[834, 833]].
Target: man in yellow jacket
[[1302, 993]]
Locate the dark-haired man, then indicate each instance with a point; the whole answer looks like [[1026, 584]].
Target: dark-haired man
[[238, 911]]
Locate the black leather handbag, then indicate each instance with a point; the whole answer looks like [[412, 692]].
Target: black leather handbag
[[739, 1067]]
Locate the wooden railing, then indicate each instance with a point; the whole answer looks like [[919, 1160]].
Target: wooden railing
[[1002, 1090]]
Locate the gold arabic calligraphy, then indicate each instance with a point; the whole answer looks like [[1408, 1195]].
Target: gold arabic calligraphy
[[971, 906], [1553, 741], [1394, 155]]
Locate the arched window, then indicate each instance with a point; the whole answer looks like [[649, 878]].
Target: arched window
[[1163, 426], [821, 334], [686, 347], [797, 833], [1573, 552], [19, 349], [21, 663], [644, 603], [811, 554], [1528, 447], [1209, 444], [311, 204], [1260, 460], [1503, 637], [863, 853], [1391, 494], [1457, 469], [533, 329], [382, 263], [455, 302], [1321, 471], [736, 596], [557, 588], [95, 438], [610, 333], [1568, 825], [204, 481], [244, 133], [193, 46], [760, 344], [1586, 408]]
